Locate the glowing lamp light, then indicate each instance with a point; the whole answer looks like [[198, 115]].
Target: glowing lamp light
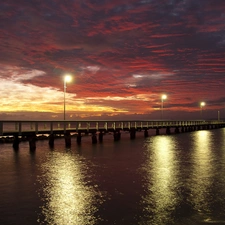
[[164, 97], [202, 104], [67, 78]]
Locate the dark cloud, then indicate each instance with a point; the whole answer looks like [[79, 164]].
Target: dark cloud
[[120, 48]]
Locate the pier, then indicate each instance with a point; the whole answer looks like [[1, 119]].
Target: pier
[[15, 131]]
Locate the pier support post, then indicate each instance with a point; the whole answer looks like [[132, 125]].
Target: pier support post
[[51, 140], [79, 138], [146, 133], [94, 138], [132, 133], [32, 141], [67, 137], [157, 131], [167, 130], [100, 136], [177, 131], [1, 128], [16, 142], [116, 135]]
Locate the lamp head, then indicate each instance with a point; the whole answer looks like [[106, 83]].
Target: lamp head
[[202, 104], [164, 97], [67, 78]]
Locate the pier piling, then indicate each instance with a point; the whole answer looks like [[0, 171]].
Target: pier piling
[[100, 136], [16, 142], [146, 133], [32, 141], [79, 138], [51, 140], [117, 135], [132, 133], [167, 130], [67, 137], [94, 138], [177, 131]]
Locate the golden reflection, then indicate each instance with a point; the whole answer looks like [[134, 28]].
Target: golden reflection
[[68, 199], [161, 168], [202, 169]]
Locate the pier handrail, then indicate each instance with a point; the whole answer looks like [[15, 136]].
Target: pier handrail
[[8, 127]]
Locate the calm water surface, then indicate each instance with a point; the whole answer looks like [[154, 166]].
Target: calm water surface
[[160, 180]]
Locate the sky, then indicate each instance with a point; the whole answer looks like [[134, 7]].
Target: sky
[[122, 56]]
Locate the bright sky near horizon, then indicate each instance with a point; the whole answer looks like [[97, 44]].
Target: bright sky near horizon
[[122, 54]]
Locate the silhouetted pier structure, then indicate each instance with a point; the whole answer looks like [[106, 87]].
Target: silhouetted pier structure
[[34, 130]]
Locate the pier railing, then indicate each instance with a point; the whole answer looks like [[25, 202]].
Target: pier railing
[[50, 127]]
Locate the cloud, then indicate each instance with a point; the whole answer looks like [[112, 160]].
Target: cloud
[[122, 49]]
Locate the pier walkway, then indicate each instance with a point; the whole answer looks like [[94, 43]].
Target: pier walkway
[[29, 130]]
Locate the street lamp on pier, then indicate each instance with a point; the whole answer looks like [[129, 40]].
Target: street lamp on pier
[[67, 78], [164, 97], [202, 104]]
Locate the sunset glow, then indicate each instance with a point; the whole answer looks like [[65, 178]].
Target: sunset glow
[[121, 56]]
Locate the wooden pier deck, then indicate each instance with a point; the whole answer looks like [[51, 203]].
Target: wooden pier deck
[[29, 130], [60, 127]]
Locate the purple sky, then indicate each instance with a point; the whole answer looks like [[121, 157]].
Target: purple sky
[[122, 54]]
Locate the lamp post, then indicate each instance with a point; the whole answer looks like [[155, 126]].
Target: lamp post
[[202, 104], [67, 78], [162, 98]]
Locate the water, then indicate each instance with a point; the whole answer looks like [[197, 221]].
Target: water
[[161, 180]]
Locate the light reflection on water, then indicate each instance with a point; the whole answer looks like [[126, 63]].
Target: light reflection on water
[[69, 198], [160, 180], [161, 169], [180, 180], [202, 171]]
